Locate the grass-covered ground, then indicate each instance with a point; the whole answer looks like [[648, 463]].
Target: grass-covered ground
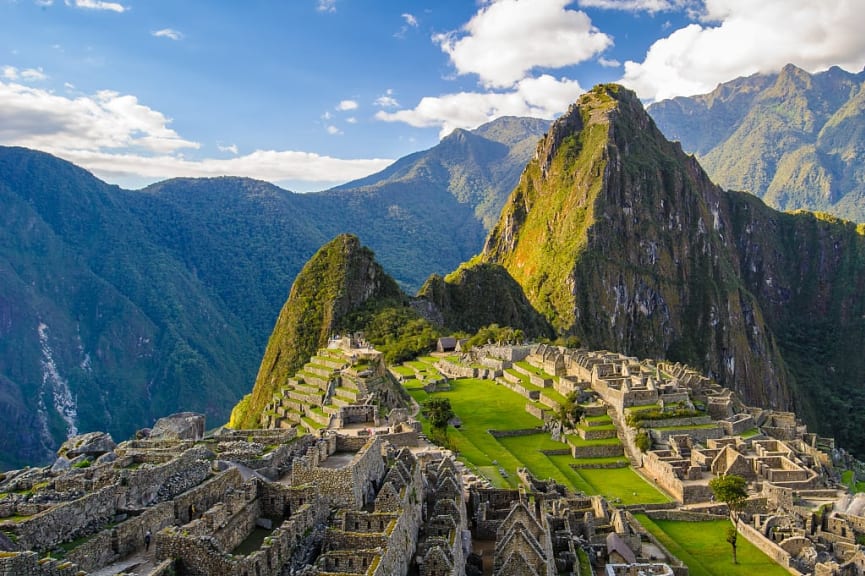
[[703, 547], [847, 478], [483, 405]]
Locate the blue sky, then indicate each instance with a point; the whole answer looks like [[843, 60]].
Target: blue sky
[[311, 93]]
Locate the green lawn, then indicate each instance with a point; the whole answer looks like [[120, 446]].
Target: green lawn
[[702, 546], [623, 484], [483, 405]]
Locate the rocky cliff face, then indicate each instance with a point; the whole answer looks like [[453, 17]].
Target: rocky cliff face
[[341, 278], [619, 237]]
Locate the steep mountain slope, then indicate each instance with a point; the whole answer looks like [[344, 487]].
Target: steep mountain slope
[[99, 328], [478, 294], [620, 238], [793, 138], [341, 278]]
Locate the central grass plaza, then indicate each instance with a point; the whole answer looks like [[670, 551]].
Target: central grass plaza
[[483, 405], [703, 547]]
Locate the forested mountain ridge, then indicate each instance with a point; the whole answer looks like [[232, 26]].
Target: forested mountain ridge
[[791, 138], [119, 306]]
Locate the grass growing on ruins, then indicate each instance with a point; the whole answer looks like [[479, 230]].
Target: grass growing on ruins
[[622, 484], [702, 546], [847, 477]]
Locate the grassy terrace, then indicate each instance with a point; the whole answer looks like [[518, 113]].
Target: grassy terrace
[[483, 405], [529, 368], [702, 546]]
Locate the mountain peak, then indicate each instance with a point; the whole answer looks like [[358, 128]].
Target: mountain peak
[[339, 279]]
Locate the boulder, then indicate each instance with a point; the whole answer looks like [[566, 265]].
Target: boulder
[[107, 458], [92, 444], [181, 426], [61, 464]]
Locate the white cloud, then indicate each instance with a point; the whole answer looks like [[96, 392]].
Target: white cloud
[[741, 37], [43, 2], [609, 62], [410, 19], [345, 105], [326, 6], [351, 120], [169, 33], [106, 120], [386, 100], [98, 5], [508, 38], [25, 75], [333, 130], [651, 6], [120, 139], [268, 165], [542, 97]]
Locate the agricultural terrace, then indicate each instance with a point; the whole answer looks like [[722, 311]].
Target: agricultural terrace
[[703, 547], [483, 405]]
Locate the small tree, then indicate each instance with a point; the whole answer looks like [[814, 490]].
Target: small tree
[[732, 490], [439, 412]]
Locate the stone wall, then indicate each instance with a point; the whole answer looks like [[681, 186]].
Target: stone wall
[[146, 486], [29, 564], [698, 435], [511, 433], [351, 486], [199, 557], [768, 547], [68, 521]]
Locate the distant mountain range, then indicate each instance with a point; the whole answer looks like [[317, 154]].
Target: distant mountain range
[[117, 306], [794, 139]]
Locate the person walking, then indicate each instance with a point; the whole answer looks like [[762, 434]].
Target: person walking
[[147, 537]]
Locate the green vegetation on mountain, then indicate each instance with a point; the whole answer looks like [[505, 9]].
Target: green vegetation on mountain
[[162, 299], [476, 295], [792, 138], [341, 278], [99, 328], [620, 238]]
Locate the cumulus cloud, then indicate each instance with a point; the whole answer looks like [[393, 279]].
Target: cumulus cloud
[[39, 119], [169, 33], [410, 20], [500, 43], [333, 130], [25, 75], [609, 62], [98, 5], [345, 105], [742, 37], [387, 100], [541, 97], [651, 6], [326, 6], [117, 137]]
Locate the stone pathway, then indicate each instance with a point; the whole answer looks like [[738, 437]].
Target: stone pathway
[[139, 564]]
